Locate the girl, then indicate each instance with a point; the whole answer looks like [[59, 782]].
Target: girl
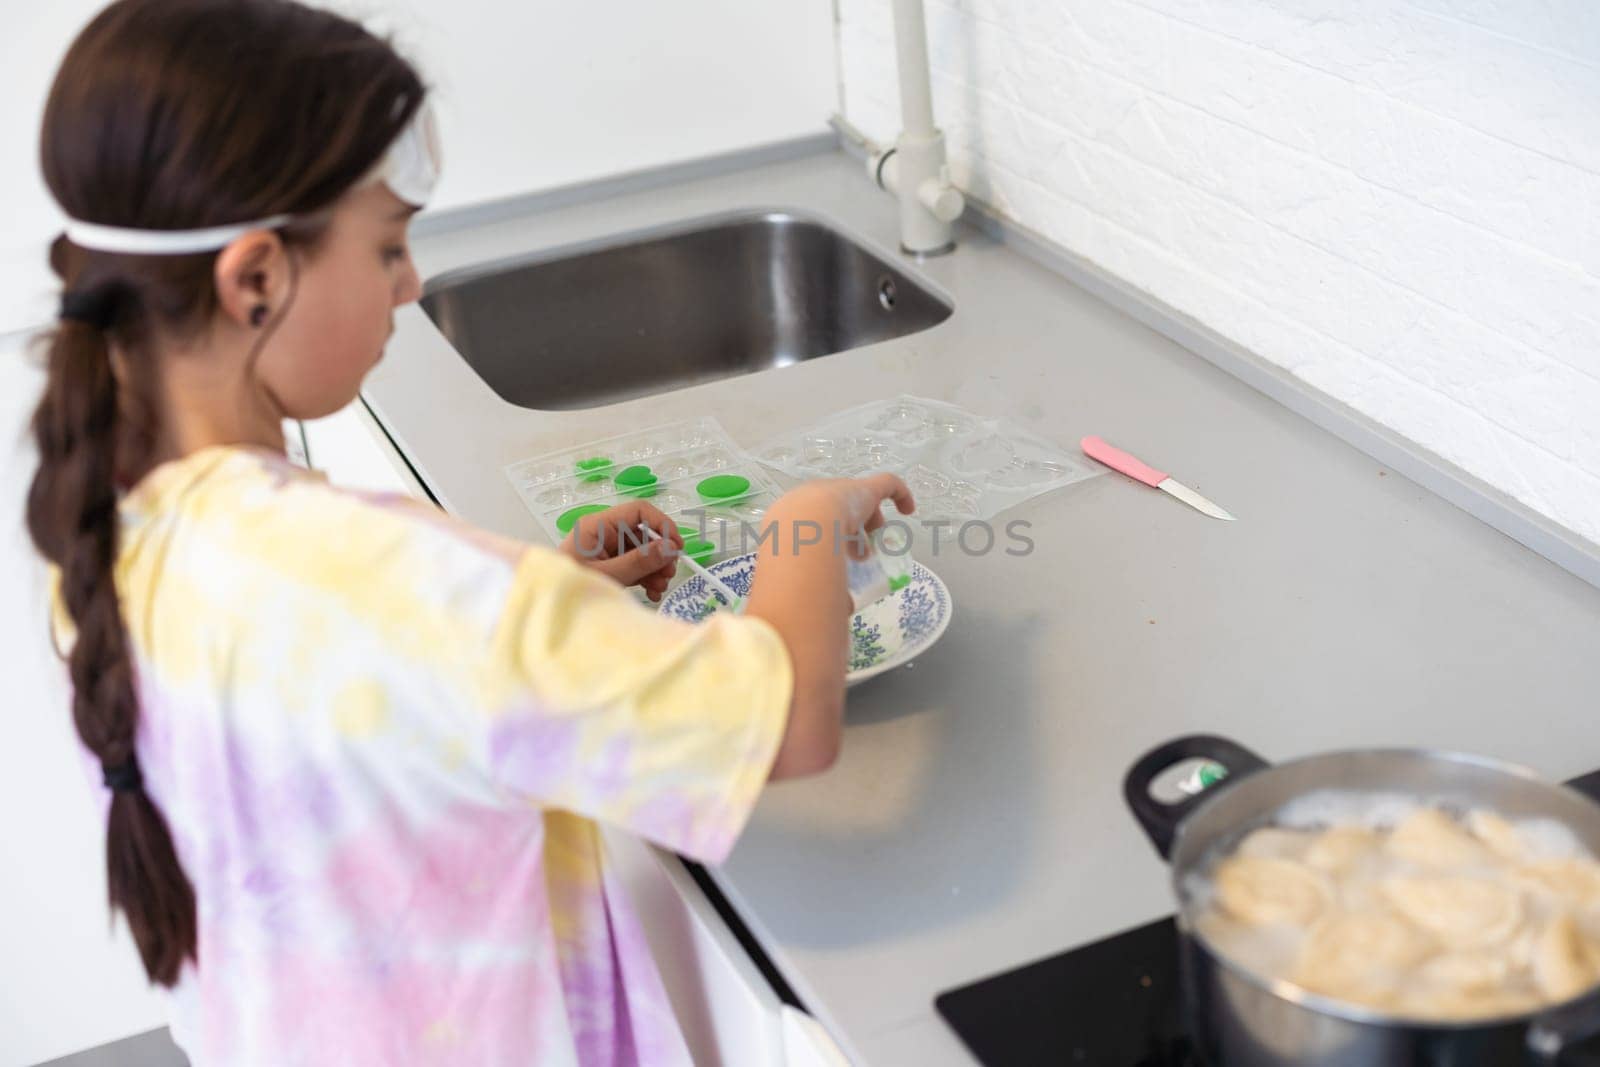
[[354, 748]]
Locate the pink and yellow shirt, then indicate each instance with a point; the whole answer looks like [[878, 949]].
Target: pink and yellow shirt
[[383, 741]]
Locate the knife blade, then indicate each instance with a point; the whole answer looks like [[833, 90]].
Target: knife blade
[[1118, 460]]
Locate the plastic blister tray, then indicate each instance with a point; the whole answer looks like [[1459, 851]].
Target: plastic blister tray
[[681, 455], [960, 466]]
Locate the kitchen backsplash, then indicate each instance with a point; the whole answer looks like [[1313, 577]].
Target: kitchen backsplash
[[1399, 203]]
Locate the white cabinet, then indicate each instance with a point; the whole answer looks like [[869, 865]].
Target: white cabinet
[[353, 451], [729, 1012], [807, 1044]]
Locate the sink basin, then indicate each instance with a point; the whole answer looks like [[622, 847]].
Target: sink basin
[[646, 313]]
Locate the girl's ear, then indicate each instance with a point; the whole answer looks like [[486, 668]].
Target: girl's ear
[[252, 278]]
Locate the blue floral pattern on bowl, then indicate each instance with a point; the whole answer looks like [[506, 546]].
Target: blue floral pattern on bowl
[[866, 644], [883, 635]]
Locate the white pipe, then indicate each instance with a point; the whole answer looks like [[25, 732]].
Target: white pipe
[[911, 49], [914, 168]]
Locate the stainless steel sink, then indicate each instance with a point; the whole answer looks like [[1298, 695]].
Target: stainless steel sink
[[646, 313]]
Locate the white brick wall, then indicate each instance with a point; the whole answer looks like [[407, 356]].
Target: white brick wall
[[1399, 203]]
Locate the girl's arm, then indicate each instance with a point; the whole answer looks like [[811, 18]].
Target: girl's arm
[[801, 591]]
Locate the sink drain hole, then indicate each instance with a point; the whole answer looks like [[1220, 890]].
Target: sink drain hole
[[886, 292]]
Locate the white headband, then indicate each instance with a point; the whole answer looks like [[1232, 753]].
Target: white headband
[[410, 168], [163, 242]]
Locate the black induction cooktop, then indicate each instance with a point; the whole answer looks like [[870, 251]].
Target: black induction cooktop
[[1114, 1003]]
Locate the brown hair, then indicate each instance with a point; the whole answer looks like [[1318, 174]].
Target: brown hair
[[171, 114]]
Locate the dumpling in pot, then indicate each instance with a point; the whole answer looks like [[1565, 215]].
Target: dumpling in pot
[[1572, 882], [1460, 911], [1274, 843], [1430, 838], [1442, 1003], [1563, 963], [1470, 971], [1340, 849], [1362, 957], [1259, 891], [1501, 837]]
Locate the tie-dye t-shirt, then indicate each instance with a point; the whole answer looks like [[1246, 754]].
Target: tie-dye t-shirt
[[382, 740]]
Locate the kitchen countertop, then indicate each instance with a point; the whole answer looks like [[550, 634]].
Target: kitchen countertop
[[974, 821]]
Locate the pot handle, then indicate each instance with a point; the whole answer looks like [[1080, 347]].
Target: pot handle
[[1160, 819], [1552, 1034]]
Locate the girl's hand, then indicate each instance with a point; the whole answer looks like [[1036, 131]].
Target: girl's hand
[[611, 542], [855, 503]]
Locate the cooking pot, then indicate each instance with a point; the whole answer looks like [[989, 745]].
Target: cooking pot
[[1239, 1019]]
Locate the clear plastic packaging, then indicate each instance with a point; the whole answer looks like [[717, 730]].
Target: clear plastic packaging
[[697, 472], [959, 465]]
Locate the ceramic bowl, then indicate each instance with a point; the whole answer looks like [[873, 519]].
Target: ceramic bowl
[[884, 635]]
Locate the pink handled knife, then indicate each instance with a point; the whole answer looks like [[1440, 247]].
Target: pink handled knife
[[1118, 460]]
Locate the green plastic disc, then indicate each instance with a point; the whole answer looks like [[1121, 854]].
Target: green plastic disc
[[593, 469], [698, 550], [636, 481], [723, 487], [636, 475], [569, 518]]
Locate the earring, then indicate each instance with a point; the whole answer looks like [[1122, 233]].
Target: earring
[[258, 314]]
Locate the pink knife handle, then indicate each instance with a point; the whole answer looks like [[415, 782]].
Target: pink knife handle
[[1117, 459]]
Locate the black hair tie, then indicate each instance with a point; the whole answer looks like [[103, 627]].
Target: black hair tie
[[124, 777], [95, 308]]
